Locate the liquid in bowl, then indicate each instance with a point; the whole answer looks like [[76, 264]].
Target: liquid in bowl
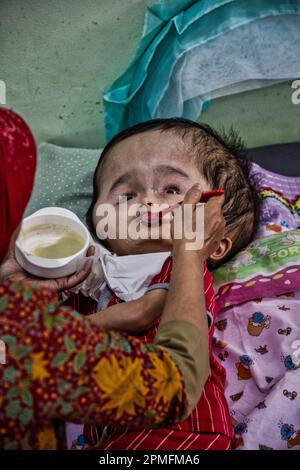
[[51, 241]]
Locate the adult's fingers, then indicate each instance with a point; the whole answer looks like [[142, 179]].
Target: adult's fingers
[[193, 195], [213, 208], [216, 200], [76, 278], [90, 251]]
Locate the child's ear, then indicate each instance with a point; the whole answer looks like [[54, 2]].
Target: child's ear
[[224, 247]]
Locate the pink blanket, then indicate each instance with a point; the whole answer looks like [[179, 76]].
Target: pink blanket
[[258, 343]]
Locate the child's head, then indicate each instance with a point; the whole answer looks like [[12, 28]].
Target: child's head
[[158, 161]]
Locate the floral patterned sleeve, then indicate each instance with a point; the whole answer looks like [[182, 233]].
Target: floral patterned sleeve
[[59, 367]]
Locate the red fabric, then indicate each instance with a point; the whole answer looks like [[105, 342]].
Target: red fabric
[[165, 274], [166, 439], [17, 169], [209, 425]]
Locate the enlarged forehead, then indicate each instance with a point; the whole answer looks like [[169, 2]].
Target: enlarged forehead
[[145, 150]]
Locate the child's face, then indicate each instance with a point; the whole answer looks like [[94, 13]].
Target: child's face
[[148, 168]]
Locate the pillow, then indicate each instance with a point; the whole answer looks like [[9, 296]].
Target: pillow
[[267, 267], [64, 178], [280, 201]]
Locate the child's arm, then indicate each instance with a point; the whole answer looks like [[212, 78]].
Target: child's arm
[[133, 316]]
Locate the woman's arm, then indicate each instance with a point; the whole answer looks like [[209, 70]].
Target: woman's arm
[[59, 366], [186, 335], [183, 328]]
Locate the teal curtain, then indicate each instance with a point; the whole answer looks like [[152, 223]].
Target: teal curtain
[[194, 51]]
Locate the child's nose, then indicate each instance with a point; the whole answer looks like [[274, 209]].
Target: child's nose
[[147, 202], [150, 199]]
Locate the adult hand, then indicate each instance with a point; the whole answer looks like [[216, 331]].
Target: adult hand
[[10, 269], [214, 222]]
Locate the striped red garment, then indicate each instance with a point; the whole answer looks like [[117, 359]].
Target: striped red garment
[[207, 428]]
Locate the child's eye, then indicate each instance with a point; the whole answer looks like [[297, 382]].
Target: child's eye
[[172, 190], [128, 196]]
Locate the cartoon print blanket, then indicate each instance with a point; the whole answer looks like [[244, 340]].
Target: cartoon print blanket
[[258, 342]]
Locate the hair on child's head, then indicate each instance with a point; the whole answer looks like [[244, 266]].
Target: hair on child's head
[[221, 157]]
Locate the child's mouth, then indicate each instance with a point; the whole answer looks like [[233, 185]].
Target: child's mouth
[[151, 218]]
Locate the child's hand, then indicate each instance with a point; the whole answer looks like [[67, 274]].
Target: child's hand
[[11, 269], [214, 223]]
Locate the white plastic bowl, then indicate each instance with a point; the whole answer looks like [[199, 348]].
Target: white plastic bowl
[[29, 239]]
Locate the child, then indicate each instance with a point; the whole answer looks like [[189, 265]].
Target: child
[[157, 162]]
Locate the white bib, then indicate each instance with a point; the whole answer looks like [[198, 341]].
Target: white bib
[[127, 276]]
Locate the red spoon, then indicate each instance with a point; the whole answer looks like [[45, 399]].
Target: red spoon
[[157, 216]]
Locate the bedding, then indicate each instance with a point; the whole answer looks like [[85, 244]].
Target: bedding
[[280, 197], [267, 265], [282, 159], [258, 343], [257, 335], [64, 178], [257, 340]]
